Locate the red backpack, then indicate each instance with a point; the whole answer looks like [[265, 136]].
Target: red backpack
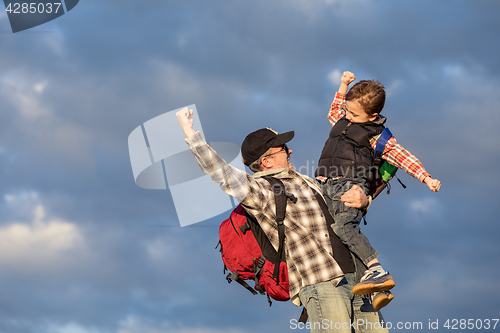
[[249, 255]]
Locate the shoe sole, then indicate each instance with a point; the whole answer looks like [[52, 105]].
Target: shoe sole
[[382, 301], [370, 288]]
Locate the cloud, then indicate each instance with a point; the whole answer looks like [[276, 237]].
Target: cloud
[[425, 211], [425, 206], [134, 324], [334, 76], [40, 87], [25, 96], [177, 81], [392, 87], [41, 242], [55, 42], [316, 8], [37, 119], [465, 126], [160, 250], [71, 328], [432, 284]]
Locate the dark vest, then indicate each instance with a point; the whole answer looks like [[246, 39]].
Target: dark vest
[[347, 151]]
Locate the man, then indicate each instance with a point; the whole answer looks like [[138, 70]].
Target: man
[[321, 269]]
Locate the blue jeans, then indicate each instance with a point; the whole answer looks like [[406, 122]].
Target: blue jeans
[[337, 309], [347, 219]]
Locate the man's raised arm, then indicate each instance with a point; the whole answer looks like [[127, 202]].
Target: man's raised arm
[[233, 181]]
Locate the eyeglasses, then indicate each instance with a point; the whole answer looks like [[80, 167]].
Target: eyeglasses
[[283, 148]]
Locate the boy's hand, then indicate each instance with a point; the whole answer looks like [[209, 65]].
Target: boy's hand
[[347, 78], [185, 118], [433, 184]]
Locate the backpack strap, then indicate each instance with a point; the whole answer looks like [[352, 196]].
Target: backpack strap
[[303, 316], [236, 277], [280, 196], [381, 142], [386, 170], [258, 268]]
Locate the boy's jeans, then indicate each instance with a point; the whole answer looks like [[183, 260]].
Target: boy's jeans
[[347, 219], [337, 309]]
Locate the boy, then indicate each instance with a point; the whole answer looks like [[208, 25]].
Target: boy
[[347, 160]]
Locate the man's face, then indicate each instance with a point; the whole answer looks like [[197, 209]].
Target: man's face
[[277, 157]]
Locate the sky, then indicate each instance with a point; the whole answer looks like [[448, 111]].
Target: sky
[[83, 249]]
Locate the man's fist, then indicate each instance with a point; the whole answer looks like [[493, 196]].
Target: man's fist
[[185, 118]]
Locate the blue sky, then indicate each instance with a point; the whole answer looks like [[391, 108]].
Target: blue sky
[[85, 250]]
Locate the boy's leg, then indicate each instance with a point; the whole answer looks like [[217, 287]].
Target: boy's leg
[[347, 228], [347, 219]]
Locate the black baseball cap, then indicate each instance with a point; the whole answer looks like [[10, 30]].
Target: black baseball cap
[[258, 142]]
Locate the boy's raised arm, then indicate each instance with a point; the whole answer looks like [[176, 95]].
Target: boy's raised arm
[[345, 80], [336, 108]]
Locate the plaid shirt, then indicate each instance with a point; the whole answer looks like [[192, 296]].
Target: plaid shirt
[[393, 153], [307, 243]]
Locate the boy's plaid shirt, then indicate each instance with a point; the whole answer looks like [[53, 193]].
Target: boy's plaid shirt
[[394, 153], [307, 244]]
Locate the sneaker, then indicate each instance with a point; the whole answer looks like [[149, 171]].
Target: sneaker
[[372, 282], [381, 299]]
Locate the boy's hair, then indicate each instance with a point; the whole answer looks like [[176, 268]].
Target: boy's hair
[[370, 94]]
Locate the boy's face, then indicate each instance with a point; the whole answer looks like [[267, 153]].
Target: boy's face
[[355, 112]]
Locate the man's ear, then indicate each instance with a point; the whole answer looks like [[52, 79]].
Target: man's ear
[[265, 163]]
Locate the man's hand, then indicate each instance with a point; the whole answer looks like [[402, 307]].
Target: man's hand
[[433, 184], [355, 197], [185, 118], [347, 78]]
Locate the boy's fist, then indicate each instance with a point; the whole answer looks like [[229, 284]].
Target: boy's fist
[[347, 78], [433, 184]]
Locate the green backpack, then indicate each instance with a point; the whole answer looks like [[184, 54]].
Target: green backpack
[[386, 170]]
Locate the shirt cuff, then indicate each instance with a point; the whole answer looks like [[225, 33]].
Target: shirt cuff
[[195, 140], [423, 176]]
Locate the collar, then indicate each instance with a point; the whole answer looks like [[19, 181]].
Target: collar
[[380, 120], [278, 173]]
